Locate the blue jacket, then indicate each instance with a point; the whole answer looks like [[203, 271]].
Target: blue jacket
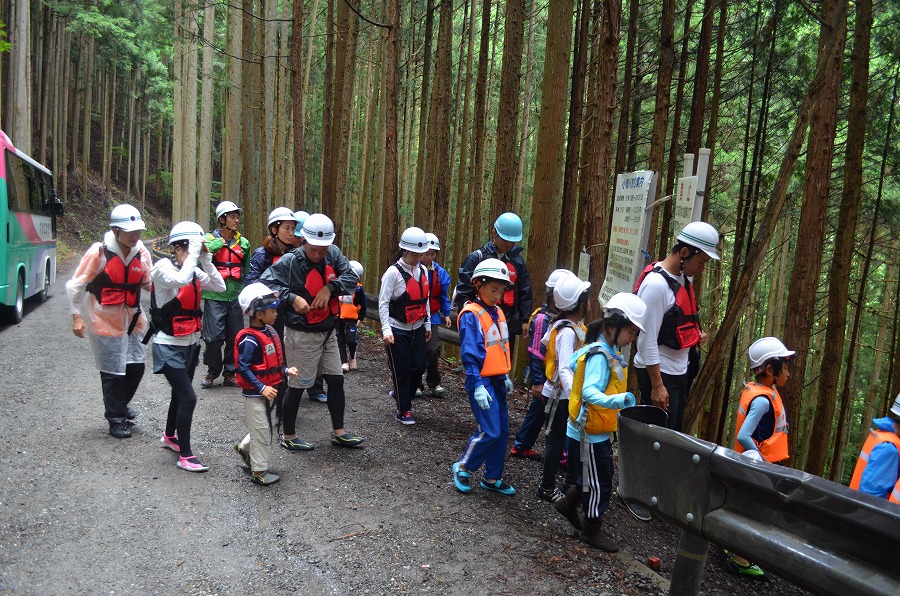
[[444, 299], [881, 473]]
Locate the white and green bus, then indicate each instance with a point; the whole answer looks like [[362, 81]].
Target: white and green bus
[[28, 211]]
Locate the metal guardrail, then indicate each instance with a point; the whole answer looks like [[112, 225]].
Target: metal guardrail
[[449, 336], [817, 533]]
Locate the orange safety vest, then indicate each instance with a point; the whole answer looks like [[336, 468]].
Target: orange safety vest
[[876, 437], [118, 282], [775, 448], [680, 326], [229, 261], [496, 339], [314, 282], [349, 311], [270, 371], [509, 296]]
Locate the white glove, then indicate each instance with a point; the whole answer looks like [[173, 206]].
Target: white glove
[[194, 246], [482, 397], [509, 386]]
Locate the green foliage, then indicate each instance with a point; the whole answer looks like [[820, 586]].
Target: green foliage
[[4, 45]]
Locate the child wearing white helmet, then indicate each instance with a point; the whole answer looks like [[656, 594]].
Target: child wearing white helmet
[[485, 355], [261, 374], [439, 305], [405, 313], [222, 317], [175, 313], [599, 391], [762, 426], [110, 276], [352, 310], [523, 444]]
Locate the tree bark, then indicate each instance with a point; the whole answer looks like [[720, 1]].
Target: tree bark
[[422, 205], [629, 74], [207, 107], [20, 130], [231, 136], [464, 207], [477, 197], [701, 79], [438, 153], [390, 235], [526, 102], [298, 102]]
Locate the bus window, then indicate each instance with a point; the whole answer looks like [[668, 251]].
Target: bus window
[[17, 183]]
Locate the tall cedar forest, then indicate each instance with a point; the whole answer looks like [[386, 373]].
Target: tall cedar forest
[[443, 114]]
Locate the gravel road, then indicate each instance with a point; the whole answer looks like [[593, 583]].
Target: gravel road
[[83, 512]]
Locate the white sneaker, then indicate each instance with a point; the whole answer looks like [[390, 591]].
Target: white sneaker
[[345, 367], [438, 391], [352, 364]]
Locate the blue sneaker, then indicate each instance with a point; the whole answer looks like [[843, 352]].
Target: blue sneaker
[[462, 479], [498, 487], [319, 397]]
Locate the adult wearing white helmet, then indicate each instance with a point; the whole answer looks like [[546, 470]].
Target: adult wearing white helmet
[[352, 309], [222, 317], [175, 310], [110, 277], [281, 238], [517, 300], [439, 304], [404, 310], [672, 324], [877, 471], [309, 280]]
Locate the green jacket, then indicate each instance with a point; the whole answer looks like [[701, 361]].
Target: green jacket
[[233, 287]]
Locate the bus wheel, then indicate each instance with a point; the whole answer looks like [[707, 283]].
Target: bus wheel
[[45, 290], [13, 314]]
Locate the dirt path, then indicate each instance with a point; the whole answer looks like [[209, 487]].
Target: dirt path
[[84, 512]]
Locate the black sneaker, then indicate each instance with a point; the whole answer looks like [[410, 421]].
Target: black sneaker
[[119, 430], [243, 453], [347, 440], [551, 496], [265, 479]]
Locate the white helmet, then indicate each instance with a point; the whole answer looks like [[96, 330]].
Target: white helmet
[[256, 297], [556, 276], [894, 412], [300, 216], [280, 214], [126, 218], [492, 268], [185, 230], [766, 348], [226, 207], [318, 230], [357, 268], [700, 234], [568, 290], [629, 305], [433, 242], [414, 240]]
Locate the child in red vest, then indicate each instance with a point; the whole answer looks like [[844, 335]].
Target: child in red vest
[[485, 354], [352, 309], [261, 374]]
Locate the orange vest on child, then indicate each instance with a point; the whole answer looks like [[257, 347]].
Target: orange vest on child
[[775, 448], [876, 437], [496, 340]]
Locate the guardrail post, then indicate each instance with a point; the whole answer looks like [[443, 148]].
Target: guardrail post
[[689, 565]]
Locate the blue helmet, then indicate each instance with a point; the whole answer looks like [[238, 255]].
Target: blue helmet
[[509, 227]]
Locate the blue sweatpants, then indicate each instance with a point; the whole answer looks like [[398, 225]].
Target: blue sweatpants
[[487, 445]]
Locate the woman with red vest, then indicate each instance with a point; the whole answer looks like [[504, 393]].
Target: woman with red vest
[[406, 319], [175, 312], [761, 421], [111, 274], [439, 305], [280, 240], [261, 374], [485, 354], [877, 471]]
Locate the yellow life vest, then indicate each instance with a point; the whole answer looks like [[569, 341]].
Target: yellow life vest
[[599, 420], [551, 366]]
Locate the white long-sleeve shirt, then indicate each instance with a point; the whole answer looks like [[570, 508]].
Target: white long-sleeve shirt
[[565, 347], [168, 280], [393, 286], [655, 293]]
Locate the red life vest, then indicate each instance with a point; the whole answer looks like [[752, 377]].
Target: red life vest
[[496, 339], [270, 371], [876, 437], [118, 283], [181, 315], [775, 448], [315, 281], [409, 307], [434, 285], [509, 296], [680, 328], [229, 261]]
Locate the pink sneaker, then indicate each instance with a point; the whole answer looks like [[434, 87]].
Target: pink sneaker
[[191, 464], [170, 443]]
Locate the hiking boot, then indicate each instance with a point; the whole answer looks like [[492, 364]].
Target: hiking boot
[[345, 367], [229, 381], [207, 382], [462, 479], [593, 534], [526, 453], [550, 495], [438, 391], [638, 511], [319, 397], [568, 506], [498, 486], [265, 479], [352, 364], [405, 418], [191, 464], [119, 430], [295, 444], [170, 443], [243, 453], [346, 440], [131, 413]]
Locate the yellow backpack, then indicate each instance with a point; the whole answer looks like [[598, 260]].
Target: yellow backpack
[[599, 420]]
